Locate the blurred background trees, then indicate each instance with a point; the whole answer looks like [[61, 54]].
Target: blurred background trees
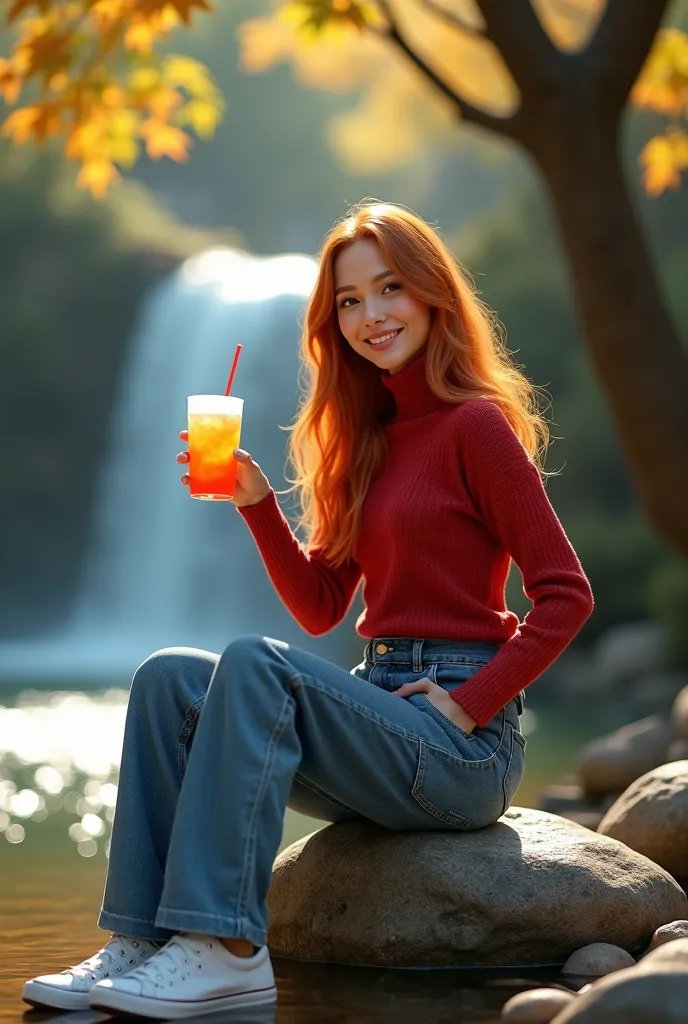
[[280, 168]]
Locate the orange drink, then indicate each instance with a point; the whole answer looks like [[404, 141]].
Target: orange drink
[[214, 424]]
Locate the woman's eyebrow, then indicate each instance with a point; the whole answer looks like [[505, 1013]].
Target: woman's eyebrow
[[352, 288]]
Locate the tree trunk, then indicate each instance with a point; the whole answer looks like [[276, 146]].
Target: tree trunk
[[629, 334]]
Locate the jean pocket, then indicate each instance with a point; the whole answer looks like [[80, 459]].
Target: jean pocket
[[430, 709], [438, 777]]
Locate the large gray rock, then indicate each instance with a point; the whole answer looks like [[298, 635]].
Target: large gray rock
[[530, 889], [651, 817], [611, 763], [655, 991]]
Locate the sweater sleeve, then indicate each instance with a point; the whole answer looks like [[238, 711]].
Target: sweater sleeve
[[317, 594], [507, 491]]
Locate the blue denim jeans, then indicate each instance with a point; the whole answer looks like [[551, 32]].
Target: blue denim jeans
[[216, 747]]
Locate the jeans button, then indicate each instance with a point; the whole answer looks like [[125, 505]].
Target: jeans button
[[381, 648]]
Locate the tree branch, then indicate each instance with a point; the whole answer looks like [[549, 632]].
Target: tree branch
[[528, 52], [454, 20], [617, 51], [507, 126]]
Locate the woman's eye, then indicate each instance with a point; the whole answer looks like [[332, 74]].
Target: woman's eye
[[394, 285]]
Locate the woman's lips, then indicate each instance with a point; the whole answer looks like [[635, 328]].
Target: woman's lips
[[382, 345]]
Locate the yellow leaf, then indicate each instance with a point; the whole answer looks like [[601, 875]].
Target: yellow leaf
[[59, 82], [10, 81], [144, 79], [203, 117], [123, 123], [663, 159], [105, 12], [140, 35], [184, 7], [165, 140], [87, 141], [21, 124], [96, 176], [161, 103], [663, 82], [189, 74], [124, 151]]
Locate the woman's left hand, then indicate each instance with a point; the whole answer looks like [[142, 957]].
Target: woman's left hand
[[442, 701]]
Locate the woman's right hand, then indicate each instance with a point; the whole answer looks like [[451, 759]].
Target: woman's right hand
[[252, 484]]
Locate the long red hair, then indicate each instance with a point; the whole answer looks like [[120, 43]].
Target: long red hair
[[337, 443]]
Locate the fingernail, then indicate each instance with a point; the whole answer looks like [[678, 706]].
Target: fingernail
[[240, 454]]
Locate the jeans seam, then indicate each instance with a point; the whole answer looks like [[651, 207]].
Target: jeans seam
[[307, 784], [127, 917], [505, 787], [190, 720], [249, 858], [451, 817], [359, 709]]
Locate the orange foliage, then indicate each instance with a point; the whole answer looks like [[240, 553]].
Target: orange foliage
[[94, 76], [663, 87], [92, 67]]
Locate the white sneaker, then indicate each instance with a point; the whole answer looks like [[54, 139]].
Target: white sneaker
[[190, 975], [69, 990]]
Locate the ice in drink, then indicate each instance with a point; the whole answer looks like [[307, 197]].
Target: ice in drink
[[214, 424]]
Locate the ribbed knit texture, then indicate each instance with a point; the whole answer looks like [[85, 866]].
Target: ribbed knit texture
[[457, 499]]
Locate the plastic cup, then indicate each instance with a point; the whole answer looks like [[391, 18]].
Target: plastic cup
[[214, 425]]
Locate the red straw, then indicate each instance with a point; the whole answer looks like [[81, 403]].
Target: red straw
[[233, 370]]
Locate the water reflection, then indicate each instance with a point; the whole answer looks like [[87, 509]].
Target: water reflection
[[60, 752]]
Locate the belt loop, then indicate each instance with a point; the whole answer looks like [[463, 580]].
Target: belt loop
[[417, 656], [519, 702], [367, 651]]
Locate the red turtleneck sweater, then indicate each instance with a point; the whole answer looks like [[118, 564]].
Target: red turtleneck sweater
[[457, 499]]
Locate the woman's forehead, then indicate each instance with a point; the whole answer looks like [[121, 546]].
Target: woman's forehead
[[358, 262]]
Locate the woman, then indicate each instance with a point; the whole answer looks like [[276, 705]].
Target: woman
[[416, 461]]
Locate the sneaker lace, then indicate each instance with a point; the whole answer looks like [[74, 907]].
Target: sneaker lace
[[118, 948], [175, 960]]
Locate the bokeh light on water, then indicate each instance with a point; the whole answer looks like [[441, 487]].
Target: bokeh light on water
[[59, 760]]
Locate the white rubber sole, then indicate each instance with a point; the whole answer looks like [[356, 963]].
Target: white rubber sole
[[35, 993], [110, 1000]]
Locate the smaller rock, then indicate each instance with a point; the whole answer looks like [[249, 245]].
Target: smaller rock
[[651, 817], [611, 763], [638, 995], [596, 960], [669, 954], [679, 714], [668, 933], [536, 1006]]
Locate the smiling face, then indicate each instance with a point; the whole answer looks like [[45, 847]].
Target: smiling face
[[377, 315]]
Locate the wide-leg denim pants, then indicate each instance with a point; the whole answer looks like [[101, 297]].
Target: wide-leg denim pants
[[216, 747]]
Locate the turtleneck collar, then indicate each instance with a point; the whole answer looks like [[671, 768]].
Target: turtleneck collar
[[410, 390]]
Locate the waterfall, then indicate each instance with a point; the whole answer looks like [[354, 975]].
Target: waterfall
[[165, 570]]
